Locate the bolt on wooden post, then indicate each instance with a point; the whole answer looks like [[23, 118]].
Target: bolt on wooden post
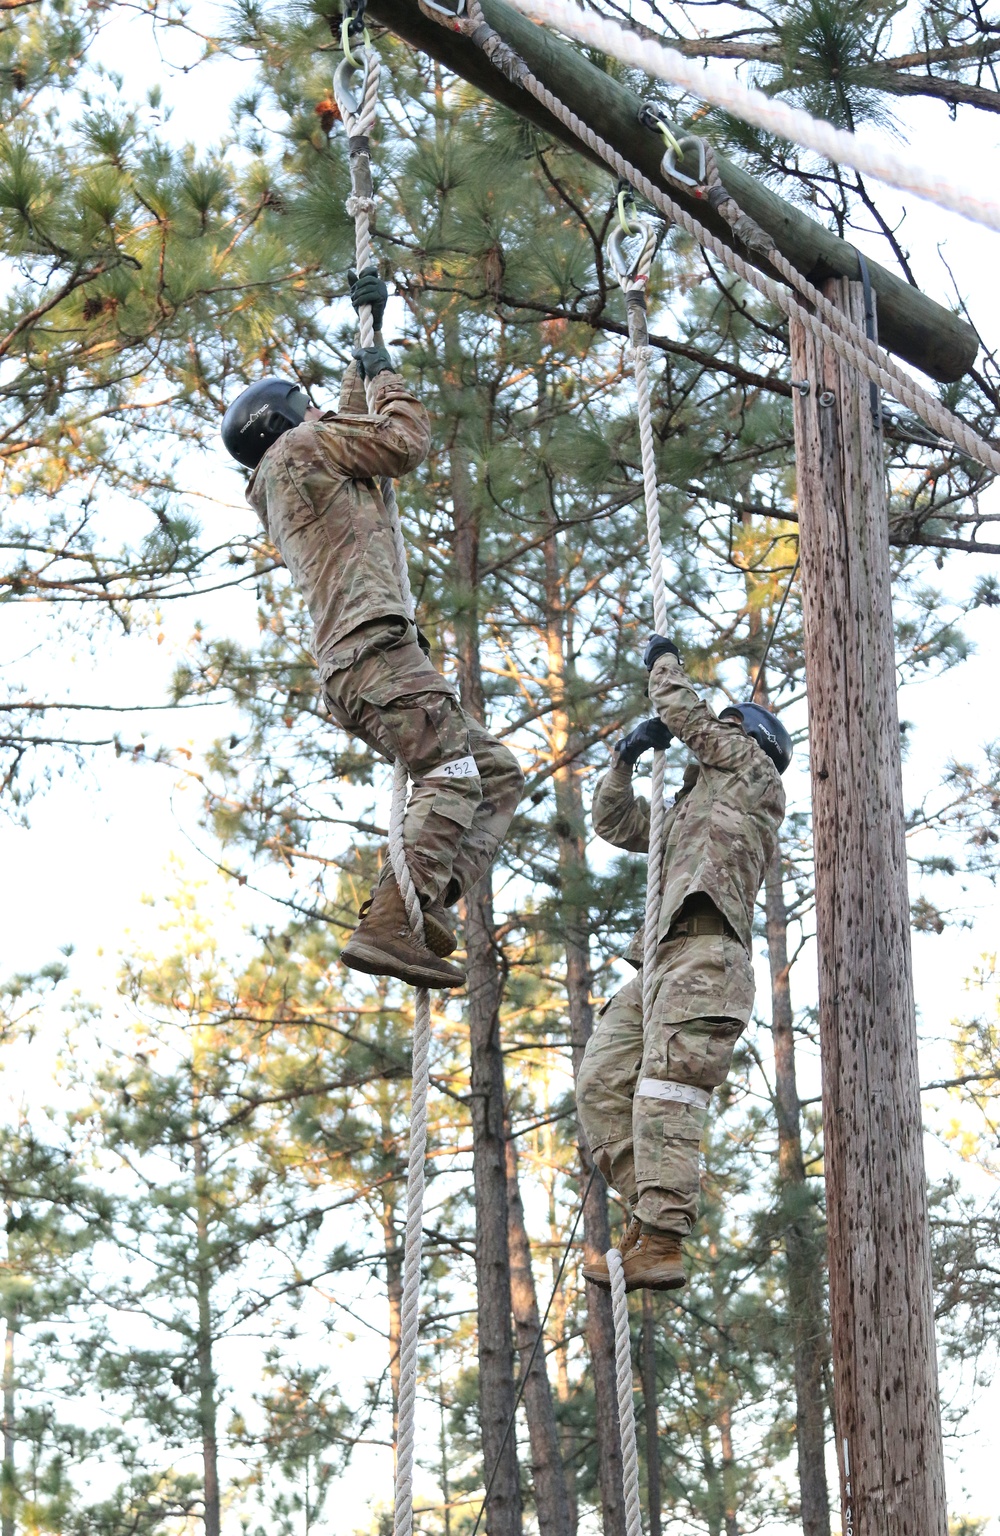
[[888, 1423]]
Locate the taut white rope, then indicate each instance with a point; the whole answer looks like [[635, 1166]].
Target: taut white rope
[[712, 83], [633, 277], [626, 1405], [359, 119], [837, 331]]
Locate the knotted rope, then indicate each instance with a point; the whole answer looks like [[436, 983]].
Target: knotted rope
[[359, 119]]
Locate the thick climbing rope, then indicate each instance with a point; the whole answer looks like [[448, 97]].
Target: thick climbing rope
[[633, 276], [834, 328], [626, 1405], [359, 119], [714, 84]]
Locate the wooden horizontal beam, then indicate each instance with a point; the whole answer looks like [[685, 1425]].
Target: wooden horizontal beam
[[912, 325]]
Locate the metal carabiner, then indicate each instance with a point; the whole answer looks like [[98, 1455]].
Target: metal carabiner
[[343, 94], [668, 165], [627, 268]]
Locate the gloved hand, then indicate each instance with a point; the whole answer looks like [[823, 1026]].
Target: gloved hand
[[369, 289], [657, 646], [648, 734], [423, 642], [373, 360]]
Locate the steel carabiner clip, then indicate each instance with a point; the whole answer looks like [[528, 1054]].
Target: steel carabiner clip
[[668, 165], [632, 269], [349, 104]]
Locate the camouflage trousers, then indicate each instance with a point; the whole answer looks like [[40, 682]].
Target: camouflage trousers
[[643, 1100], [466, 785]]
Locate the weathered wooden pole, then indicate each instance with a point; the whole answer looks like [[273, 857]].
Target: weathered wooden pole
[[887, 1411]]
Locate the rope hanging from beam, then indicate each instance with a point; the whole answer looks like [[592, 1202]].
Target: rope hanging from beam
[[359, 119], [707, 81], [830, 324], [633, 276]]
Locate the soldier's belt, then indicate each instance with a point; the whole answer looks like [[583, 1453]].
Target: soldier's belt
[[697, 924]]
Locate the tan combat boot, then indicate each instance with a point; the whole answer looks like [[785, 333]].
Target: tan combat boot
[[438, 932], [655, 1262], [598, 1271], [383, 944]]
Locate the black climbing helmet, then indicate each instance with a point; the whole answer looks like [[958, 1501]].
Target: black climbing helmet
[[259, 416], [766, 730]]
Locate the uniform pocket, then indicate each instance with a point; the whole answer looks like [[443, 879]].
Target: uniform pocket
[[388, 675], [459, 808], [668, 1146]]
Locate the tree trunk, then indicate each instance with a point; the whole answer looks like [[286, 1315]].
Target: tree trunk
[[207, 1404], [571, 839], [496, 1344], [8, 1484], [652, 1418], [803, 1257], [597, 1240], [885, 1370], [551, 1502], [799, 1227], [485, 990], [728, 1470], [557, 1321], [394, 1286]]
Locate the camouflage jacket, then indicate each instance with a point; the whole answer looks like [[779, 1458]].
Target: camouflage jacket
[[721, 831], [316, 493]]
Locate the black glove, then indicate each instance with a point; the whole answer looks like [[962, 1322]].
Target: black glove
[[658, 646], [651, 733], [373, 360], [423, 642], [369, 289]]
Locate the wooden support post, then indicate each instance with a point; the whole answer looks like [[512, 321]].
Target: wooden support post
[[887, 1411]]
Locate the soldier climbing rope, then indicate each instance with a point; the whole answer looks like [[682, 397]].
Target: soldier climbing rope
[[359, 119], [832, 327]]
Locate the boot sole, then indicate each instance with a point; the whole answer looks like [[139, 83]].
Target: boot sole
[[376, 962], [439, 939], [604, 1281], [673, 1283]]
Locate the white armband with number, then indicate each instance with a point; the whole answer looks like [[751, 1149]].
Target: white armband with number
[[458, 768]]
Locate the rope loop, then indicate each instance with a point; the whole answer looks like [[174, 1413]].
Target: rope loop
[[358, 114], [668, 165], [633, 269]]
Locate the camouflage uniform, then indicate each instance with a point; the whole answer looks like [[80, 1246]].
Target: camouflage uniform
[[643, 1100], [317, 495]]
